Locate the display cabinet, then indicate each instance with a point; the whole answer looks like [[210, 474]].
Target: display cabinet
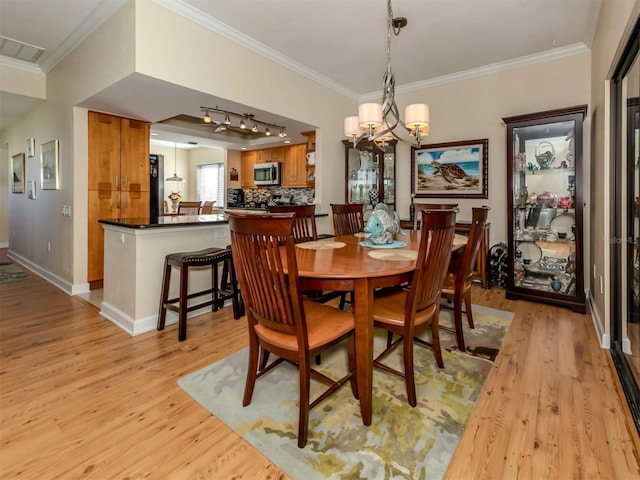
[[370, 173], [544, 198]]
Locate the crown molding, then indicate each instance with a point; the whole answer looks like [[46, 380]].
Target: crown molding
[[554, 54], [20, 64], [206, 21]]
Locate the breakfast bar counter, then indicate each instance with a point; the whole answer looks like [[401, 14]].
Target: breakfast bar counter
[[134, 252]]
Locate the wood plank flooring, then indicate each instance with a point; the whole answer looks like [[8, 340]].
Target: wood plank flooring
[[80, 398]]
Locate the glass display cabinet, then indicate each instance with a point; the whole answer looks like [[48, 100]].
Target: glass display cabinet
[[544, 198], [370, 173]]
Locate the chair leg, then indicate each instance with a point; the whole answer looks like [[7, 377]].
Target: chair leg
[[435, 342], [351, 357], [303, 418], [457, 319], [215, 286], [164, 296], [467, 304], [182, 316], [318, 359], [252, 371], [389, 338], [343, 300], [236, 300], [409, 378]]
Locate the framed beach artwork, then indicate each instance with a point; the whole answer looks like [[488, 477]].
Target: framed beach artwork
[[49, 165], [17, 173], [454, 169]]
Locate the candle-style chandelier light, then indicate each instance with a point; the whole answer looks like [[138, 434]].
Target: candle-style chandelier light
[[378, 122]]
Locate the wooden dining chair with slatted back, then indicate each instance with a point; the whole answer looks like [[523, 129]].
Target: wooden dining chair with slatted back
[[304, 222], [207, 207], [280, 321], [189, 208], [419, 207], [348, 218], [408, 312], [457, 284], [306, 230]]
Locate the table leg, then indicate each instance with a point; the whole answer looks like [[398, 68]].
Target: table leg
[[364, 345]]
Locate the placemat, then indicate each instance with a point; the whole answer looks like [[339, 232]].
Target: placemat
[[321, 245], [394, 254]]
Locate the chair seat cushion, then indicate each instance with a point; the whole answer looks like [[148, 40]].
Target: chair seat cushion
[[207, 256], [324, 324], [388, 309]]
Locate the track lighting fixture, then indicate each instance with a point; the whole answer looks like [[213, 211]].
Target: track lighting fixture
[[246, 122]]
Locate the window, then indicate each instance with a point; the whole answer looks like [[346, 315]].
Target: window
[[210, 183]]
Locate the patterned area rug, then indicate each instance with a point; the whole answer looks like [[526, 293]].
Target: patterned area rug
[[10, 272], [402, 442]]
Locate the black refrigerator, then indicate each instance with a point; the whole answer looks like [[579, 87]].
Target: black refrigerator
[[156, 185]]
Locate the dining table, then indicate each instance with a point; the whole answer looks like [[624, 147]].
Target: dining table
[[343, 264]]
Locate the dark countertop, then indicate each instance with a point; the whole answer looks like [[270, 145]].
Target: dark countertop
[[173, 220], [167, 221]]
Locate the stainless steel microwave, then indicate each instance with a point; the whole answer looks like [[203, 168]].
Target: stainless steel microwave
[[266, 173]]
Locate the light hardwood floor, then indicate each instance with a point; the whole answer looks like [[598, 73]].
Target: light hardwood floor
[[80, 398]]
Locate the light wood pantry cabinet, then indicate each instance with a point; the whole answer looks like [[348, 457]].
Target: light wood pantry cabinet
[[118, 179], [544, 198], [294, 166]]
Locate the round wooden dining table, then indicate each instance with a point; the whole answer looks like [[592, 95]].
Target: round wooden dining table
[[345, 265]]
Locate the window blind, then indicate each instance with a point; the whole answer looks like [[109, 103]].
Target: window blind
[[210, 183]]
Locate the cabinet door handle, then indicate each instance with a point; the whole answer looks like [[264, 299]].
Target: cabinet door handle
[[117, 181], [117, 200], [126, 181]]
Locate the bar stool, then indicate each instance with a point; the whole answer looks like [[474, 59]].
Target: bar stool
[[219, 291]]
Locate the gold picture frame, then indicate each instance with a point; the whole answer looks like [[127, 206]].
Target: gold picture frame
[[17, 173], [49, 165]]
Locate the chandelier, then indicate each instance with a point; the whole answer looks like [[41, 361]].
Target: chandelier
[[378, 122], [247, 122]]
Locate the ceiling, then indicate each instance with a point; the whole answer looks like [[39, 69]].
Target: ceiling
[[340, 43]]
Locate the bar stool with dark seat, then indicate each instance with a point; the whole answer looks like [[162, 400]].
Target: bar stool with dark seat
[[219, 291]]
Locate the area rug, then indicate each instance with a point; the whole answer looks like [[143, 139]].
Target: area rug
[[401, 442], [11, 273]]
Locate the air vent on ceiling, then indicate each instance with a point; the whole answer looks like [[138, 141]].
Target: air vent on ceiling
[[18, 50]]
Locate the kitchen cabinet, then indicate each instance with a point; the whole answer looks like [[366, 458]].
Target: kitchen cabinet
[[294, 167], [544, 199], [370, 173], [293, 173], [118, 179], [247, 161]]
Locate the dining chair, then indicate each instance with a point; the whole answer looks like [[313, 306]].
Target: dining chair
[[207, 207], [280, 321], [304, 221], [306, 230], [419, 207], [408, 312], [189, 208], [348, 218], [457, 283]]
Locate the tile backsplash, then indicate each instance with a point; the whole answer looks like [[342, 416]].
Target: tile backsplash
[[263, 195]]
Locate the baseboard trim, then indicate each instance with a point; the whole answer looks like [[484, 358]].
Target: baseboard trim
[[62, 284], [605, 338]]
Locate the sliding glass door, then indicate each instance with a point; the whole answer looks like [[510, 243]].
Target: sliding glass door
[[626, 221]]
